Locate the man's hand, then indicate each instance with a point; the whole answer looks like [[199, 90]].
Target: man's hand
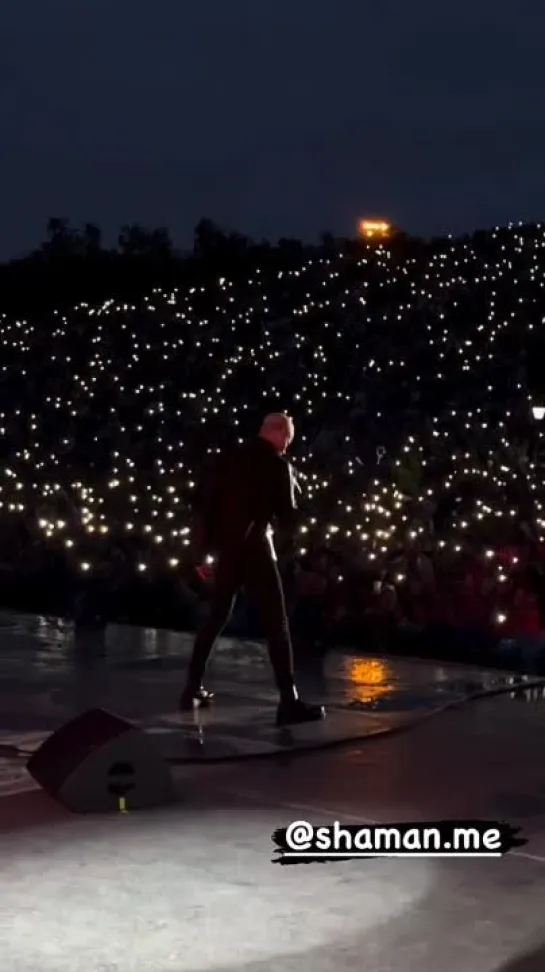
[[296, 482], [205, 571]]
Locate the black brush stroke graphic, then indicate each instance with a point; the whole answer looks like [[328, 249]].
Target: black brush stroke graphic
[[509, 839]]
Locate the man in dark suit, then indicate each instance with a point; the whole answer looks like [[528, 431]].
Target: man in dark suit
[[253, 486]]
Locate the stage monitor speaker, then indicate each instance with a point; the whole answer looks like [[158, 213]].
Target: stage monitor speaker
[[98, 763]]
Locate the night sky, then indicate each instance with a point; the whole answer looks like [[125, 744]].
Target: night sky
[[270, 117]]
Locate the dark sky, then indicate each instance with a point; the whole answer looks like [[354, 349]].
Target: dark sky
[[275, 117]]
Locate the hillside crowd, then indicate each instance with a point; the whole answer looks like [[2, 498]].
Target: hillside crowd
[[413, 377]]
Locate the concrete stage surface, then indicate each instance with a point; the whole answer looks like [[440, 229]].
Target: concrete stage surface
[[192, 886]]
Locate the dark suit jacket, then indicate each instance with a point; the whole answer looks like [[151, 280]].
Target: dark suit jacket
[[251, 487]]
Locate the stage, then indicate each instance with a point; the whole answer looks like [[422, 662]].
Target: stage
[[192, 886]]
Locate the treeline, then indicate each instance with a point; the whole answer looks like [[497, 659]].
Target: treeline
[[73, 265]]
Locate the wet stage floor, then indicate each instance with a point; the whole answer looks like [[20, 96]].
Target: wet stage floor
[[192, 887], [49, 675]]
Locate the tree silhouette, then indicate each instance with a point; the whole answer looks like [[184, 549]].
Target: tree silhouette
[[208, 239], [92, 240], [238, 245], [328, 244], [137, 241], [62, 242], [290, 248]]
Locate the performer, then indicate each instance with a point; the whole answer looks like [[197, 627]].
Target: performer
[[253, 485]]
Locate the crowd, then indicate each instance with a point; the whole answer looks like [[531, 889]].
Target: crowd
[[413, 376]]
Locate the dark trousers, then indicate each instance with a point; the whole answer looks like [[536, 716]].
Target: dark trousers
[[251, 566]]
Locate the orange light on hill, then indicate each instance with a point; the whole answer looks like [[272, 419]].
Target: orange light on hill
[[371, 228]]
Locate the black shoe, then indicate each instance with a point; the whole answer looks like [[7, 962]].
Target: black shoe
[[295, 712], [192, 699]]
